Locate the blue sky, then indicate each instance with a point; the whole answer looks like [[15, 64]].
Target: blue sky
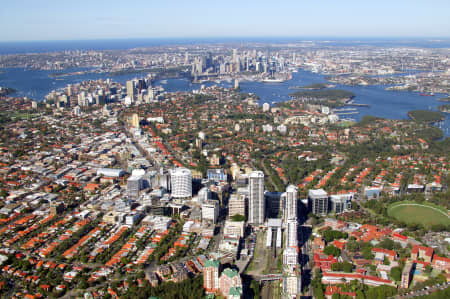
[[101, 19]]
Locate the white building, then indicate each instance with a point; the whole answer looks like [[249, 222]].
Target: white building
[[266, 107], [339, 203], [236, 205], [256, 198], [292, 286], [291, 234], [234, 228], [110, 172], [290, 209], [201, 135], [325, 110], [77, 110], [203, 195], [290, 257], [319, 200], [181, 180], [132, 219], [210, 210], [158, 223], [267, 128], [134, 185], [282, 129]]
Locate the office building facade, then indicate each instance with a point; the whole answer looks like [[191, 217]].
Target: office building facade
[[319, 201], [256, 211], [290, 198]]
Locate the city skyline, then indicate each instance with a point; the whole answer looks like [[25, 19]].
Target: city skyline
[[50, 20]]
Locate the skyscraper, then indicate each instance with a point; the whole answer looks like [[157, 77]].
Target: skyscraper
[[291, 203], [135, 120], [181, 180], [130, 89], [235, 55], [256, 198], [291, 234]]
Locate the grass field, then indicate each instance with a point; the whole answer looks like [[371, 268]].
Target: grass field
[[420, 214]]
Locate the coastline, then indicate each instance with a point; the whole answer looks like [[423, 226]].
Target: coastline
[[416, 119]]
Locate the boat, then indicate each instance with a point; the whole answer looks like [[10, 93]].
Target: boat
[[427, 94], [345, 109], [273, 80], [346, 113]]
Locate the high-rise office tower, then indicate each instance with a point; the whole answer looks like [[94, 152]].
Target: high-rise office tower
[[256, 198], [291, 234], [235, 55], [130, 89], [291, 203], [181, 180]]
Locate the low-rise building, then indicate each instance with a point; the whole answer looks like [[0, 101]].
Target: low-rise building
[[234, 228]]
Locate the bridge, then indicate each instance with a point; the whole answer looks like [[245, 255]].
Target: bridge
[[268, 277]]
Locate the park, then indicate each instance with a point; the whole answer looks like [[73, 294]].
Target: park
[[425, 214]]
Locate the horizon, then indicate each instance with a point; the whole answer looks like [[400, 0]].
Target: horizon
[[234, 38], [105, 44]]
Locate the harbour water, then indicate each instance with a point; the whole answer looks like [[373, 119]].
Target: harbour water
[[388, 104]]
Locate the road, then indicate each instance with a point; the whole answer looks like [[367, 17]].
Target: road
[[424, 292]]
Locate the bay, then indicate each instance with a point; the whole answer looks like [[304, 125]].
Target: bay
[[383, 103], [37, 84]]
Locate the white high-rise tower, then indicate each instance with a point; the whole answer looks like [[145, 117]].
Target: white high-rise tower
[[181, 180], [290, 211]]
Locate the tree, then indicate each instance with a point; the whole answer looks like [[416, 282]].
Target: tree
[[332, 250], [367, 253], [352, 246], [254, 285], [83, 284], [330, 235], [347, 267], [396, 273], [3, 193], [386, 244], [360, 295], [238, 217]]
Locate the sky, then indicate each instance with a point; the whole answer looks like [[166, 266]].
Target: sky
[[24, 20]]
